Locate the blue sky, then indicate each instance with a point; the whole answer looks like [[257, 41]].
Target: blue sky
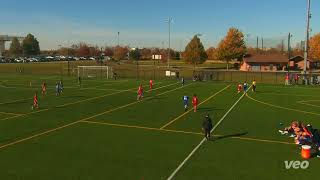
[[141, 23]]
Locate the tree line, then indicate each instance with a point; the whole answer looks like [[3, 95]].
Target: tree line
[[231, 47], [28, 47]]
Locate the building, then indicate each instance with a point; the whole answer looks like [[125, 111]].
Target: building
[[297, 63], [5, 38], [264, 63]]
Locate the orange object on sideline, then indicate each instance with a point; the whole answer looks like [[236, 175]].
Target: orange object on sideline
[[305, 151]]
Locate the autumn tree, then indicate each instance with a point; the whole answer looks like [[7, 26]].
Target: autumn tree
[[94, 51], [212, 53], [232, 46], [83, 50], [194, 52], [120, 53], [314, 47], [108, 51], [15, 48], [30, 46]]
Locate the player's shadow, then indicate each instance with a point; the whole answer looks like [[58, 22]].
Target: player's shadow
[[230, 135]]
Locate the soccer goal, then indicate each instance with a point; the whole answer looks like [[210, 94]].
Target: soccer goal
[[88, 72]]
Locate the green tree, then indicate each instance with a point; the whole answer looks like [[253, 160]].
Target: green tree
[[232, 46], [15, 48], [30, 46], [194, 52], [135, 54]]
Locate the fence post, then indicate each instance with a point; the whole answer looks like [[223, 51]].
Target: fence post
[[276, 77]]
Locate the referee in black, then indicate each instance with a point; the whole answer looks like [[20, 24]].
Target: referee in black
[[207, 126]]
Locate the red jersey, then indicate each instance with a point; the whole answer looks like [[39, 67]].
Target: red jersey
[[151, 84], [35, 99], [195, 100], [140, 90], [287, 77], [239, 87]]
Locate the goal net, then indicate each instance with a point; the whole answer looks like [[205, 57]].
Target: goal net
[[87, 72]]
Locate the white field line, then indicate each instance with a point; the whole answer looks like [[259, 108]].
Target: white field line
[[203, 140]]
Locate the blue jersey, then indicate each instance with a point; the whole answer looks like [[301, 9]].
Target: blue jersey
[[245, 87], [185, 100]]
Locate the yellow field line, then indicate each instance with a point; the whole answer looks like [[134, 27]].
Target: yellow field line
[[162, 87], [286, 94], [184, 132], [308, 104], [280, 107], [263, 140], [70, 124], [166, 92], [89, 99], [66, 104], [183, 114], [8, 113]]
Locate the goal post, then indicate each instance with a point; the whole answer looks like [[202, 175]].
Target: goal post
[[91, 72]]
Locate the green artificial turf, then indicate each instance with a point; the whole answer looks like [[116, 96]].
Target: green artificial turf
[[100, 131]]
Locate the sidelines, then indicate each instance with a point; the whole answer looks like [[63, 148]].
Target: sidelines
[[280, 107], [78, 121], [204, 139], [183, 114]]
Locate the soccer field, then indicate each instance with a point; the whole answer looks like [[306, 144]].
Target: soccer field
[[100, 131]]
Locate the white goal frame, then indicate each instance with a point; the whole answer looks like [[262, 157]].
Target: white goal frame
[[82, 70]]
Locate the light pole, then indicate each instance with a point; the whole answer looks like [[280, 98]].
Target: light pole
[[118, 38], [306, 48], [169, 21], [196, 54], [289, 50]]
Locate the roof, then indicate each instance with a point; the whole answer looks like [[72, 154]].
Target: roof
[[266, 59], [298, 59]]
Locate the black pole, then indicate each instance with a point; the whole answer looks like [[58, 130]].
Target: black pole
[[262, 44], [68, 62], [289, 51], [257, 44]]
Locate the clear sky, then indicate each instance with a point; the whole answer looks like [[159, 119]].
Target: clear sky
[[141, 23]]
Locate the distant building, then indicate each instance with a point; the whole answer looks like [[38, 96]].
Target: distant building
[[264, 63], [297, 63]]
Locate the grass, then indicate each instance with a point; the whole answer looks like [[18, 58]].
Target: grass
[[100, 131]]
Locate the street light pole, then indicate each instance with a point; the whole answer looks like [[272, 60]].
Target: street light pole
[[306, 48], [169, 25], [289, 50], [118, 38]]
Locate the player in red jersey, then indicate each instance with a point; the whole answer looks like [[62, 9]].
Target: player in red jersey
[[150, 84], [195, 102], [35, 101], [239, 88], [44, 88], [140, 92]]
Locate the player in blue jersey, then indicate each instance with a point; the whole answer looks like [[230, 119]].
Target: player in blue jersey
[[185, 102]]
